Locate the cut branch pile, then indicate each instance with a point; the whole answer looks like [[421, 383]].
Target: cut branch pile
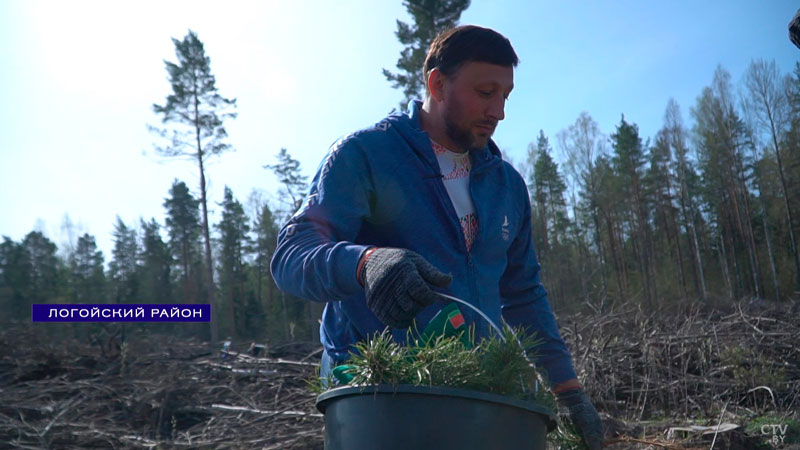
[[694, 364], [154, 393], [660, 379]]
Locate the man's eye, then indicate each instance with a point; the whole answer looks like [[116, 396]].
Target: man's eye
[[485, 93]]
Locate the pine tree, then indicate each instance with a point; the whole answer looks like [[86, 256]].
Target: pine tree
[[183, 228], [628, 162], [762, 187], [40, 254], [266, 239], [610, 211], [721, 142], [233, 244], [549, 188], [154, 265], [88, 282], [196, 111], [123, 267], [293, 183], [14, 279], [660, 187], [431, 17], [551, 225], [687, 192]]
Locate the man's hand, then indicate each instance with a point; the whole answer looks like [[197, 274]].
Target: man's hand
[[396, 284], [584, 416]]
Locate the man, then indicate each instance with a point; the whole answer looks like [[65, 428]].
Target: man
[[395, 206]]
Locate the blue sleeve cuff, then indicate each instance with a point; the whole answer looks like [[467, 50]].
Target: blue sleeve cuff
[[345, 267], [558, 370]]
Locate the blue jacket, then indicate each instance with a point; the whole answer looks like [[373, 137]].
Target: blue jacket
[[382, 186]]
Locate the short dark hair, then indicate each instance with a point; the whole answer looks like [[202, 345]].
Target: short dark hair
[[453, 47]]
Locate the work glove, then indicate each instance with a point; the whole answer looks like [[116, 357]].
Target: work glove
[[584, 416], [396, 282]]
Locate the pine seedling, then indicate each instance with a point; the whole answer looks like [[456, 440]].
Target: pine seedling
[[317, 384], [506, 365], [566, 436], [446, 361], [497, 364], [380, 360]]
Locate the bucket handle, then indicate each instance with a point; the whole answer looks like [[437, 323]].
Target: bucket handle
[[477, 310], [496, 328]]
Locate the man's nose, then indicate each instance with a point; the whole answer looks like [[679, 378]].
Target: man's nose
[[497, 109]]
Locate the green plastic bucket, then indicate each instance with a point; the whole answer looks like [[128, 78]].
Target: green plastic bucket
[[418, 417]]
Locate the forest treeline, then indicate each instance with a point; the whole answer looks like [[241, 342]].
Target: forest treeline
[[162, 263], [705, 209], [702, 210]]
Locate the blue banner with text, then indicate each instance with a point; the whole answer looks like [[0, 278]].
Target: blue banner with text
[[121, 313]]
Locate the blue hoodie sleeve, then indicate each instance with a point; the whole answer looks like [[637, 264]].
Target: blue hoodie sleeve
[[316, 258], [525, 301]]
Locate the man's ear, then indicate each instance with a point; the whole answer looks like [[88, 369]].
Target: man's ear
[[436, 81]]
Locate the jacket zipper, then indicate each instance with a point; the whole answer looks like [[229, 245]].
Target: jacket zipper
[[482, 328]]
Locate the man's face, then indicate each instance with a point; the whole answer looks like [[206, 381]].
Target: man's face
[[474, 102]]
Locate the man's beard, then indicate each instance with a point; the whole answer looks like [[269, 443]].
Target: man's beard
[[463, 136]]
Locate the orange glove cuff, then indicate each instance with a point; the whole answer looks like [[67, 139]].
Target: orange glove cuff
[[360, 266], [567, 386]]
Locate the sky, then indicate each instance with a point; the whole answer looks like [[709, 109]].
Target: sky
[[78, 80]]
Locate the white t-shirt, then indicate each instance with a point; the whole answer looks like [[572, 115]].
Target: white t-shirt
[[455, 168]]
